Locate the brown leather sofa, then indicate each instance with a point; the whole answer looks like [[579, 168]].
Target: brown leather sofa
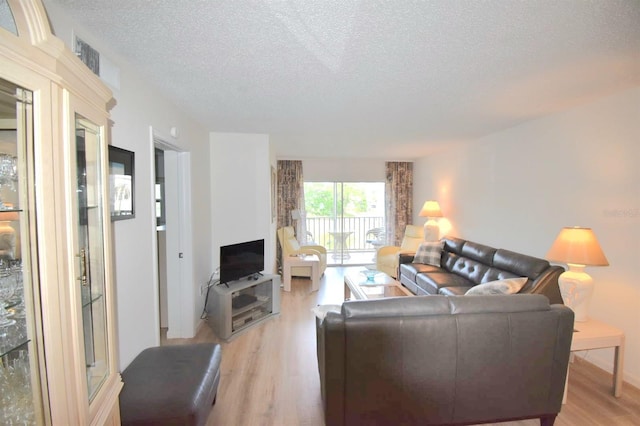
[[465, 264], [444, 360]]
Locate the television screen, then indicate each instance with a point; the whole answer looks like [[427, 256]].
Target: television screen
[[241, 260]]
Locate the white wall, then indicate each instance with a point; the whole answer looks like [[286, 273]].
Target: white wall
[[516, 189], [342, 170], [138, 106], [240, 193]]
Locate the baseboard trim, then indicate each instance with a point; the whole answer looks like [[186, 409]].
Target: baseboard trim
[[607, 366]]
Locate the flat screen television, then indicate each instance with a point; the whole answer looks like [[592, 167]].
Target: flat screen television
[[241, 260]]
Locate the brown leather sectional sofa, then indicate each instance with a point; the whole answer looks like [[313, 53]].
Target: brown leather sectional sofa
[[444, 360], [465, 264]]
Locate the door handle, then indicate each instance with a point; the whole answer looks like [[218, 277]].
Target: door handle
[[83, 267]]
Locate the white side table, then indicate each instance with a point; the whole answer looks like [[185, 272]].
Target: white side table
[[310, 261], [594, 334]]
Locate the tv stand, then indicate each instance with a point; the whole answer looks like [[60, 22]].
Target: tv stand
[[243, 304]]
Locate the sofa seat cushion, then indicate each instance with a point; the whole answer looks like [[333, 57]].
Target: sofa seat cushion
[[454, 291], [410, 270], [432, 282]]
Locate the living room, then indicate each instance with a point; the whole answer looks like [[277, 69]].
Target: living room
[[573, 164]]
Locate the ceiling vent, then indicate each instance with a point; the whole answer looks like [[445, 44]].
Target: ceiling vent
[[100, 65], [87, 54]]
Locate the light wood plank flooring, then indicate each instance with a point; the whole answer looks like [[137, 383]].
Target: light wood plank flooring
[[270, 373]]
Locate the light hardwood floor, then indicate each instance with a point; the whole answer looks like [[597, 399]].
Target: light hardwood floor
[[270, 373]]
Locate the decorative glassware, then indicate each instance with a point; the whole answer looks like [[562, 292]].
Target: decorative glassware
[[8, 170], [7, 288], [18, 309]]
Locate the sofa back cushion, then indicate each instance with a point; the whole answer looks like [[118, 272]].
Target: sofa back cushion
[[478, 252], [480, 264], [424, 306], [467, 268], [520, 264]]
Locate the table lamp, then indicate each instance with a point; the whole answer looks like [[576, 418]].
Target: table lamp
[[577, 247], [431, 210]]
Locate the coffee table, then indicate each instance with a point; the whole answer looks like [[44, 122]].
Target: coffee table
[[357, 285]]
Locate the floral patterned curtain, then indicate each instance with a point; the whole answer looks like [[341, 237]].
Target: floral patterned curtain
[[398, 200], [290, 194]]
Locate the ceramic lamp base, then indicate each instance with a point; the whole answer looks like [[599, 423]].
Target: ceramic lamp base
[[576, 287], [431, 230]]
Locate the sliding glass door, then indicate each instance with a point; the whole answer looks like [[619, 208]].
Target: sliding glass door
[[347, 218]]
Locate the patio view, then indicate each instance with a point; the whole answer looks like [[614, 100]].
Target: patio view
[[347, 218]]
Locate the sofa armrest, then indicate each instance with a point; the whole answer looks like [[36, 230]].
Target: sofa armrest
[[319, 249], [547, 284], [387, 250], [406, 257]]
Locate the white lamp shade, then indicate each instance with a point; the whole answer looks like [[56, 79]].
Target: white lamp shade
[[578, 246], [431, 209]]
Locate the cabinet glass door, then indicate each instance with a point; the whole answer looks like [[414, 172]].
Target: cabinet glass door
[[21, 389], [90, 251]]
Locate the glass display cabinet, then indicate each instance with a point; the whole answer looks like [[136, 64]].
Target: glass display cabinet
[[20, 348], [58, 357]]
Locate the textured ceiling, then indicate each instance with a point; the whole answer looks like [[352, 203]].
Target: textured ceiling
[[371, 79]]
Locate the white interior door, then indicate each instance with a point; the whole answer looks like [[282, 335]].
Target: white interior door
[[178, 267]]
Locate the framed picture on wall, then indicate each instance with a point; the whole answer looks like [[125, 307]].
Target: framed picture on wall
[[121, 183]]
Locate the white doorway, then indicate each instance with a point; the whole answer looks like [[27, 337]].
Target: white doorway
[[174, 265]]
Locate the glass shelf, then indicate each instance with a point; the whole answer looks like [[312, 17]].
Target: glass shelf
[[88, 300], [13, 337]]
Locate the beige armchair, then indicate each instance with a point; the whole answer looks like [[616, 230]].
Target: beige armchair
[[291, 247], [387, 259]]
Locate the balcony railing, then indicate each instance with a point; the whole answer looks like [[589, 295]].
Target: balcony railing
[[352, 231]]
